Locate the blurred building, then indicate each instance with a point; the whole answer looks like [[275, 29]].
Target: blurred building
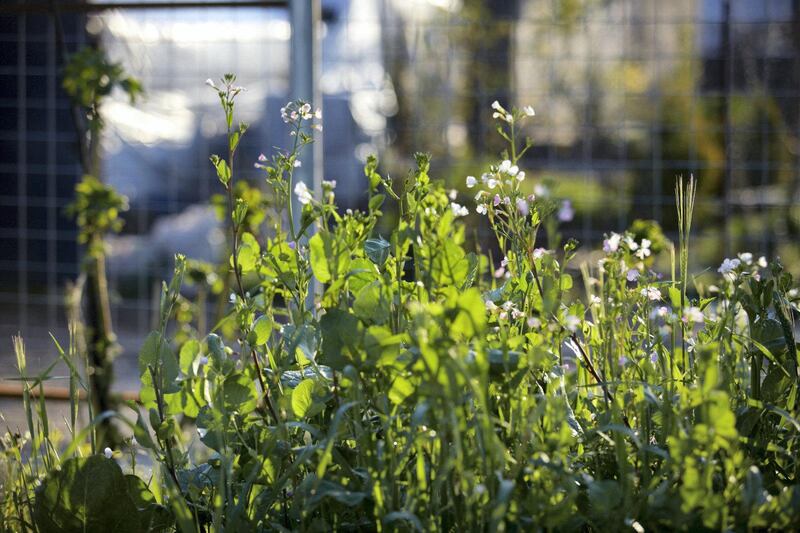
[[628, 94]]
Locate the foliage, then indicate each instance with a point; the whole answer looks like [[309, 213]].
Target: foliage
[[401, 382]]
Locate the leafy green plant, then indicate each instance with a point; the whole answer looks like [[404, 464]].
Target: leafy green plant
[[423, 386]]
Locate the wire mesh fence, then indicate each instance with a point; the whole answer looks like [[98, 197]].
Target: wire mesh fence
[[628, 94]]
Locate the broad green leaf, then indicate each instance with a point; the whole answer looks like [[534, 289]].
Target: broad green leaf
[[401, 389], [377, 250], [372, 303], [261, 330], [86, 494], [303, 398]]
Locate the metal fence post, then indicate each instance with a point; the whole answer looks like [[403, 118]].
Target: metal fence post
[[305, 72]]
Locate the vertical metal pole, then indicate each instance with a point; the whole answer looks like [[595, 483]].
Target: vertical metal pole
[[305, 72], [727, 45]]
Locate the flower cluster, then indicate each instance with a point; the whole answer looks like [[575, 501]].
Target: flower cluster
[[731, 268], [295, 113]]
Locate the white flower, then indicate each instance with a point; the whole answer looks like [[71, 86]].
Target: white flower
[[471, 182], [652, 293], [508, 305], [211, 83], [108, 452], [459, 210], [632, 244], [644, 249], [746, 258], [329, 184], [262, 157], [496, 106], [522, 207], [509, 117], [541, 190], [595, 300], [654, 357], [203, 360], [728, 265], [571, 322], [528, 110], [611, 244], [513, 170], [516, 314], [481, 209], [632, 275], [534, 322], [566, 212], [453, 194], [538, 253], [662, 312], [504, 166], [491, 306], [297, 163], [693, 314], [491, 183], [762, 262], [302, 192], [520, 176]]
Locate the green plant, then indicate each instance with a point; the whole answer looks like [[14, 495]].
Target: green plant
[[424, 387], [88, 79]]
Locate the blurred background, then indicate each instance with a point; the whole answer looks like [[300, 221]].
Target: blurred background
[[628, 95]]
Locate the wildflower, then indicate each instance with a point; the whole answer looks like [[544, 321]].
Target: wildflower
[[297, 163], [232, 298], [453, 194], [531, 198], [302, 192], [538, 253], [480, 488], [496, 200], [504, 167], [329, 184], [728, 266], [503, 315], [632, 244], [746, 258], [662, 311], [504, 262], [522, 207], [644, 249], [471, 182], [533, 322], [108, 452], [496, 106], [762, 262], [211, 83], [513, 170], [541, 190], [632, 275], [595, 300], [203, 361], [566, 213], [262, 157], [516, 314], [652, 293], [520, 176], [654, 357], [611, 244], [500, 272], [481, 209], [622, 360], [459, 210], [693, 314], [528, 110], [507, 200], [491, 183], [292, 245], [571, 322], [507, 305], [491, 306]]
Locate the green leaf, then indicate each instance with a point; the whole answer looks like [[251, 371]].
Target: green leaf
[[339, 338], [261, 330], [471, 317], [401, 389], [156, 354], [372, 303], [239, 393], [377, 250], [330, 258], [303, 398], [87, 494]]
